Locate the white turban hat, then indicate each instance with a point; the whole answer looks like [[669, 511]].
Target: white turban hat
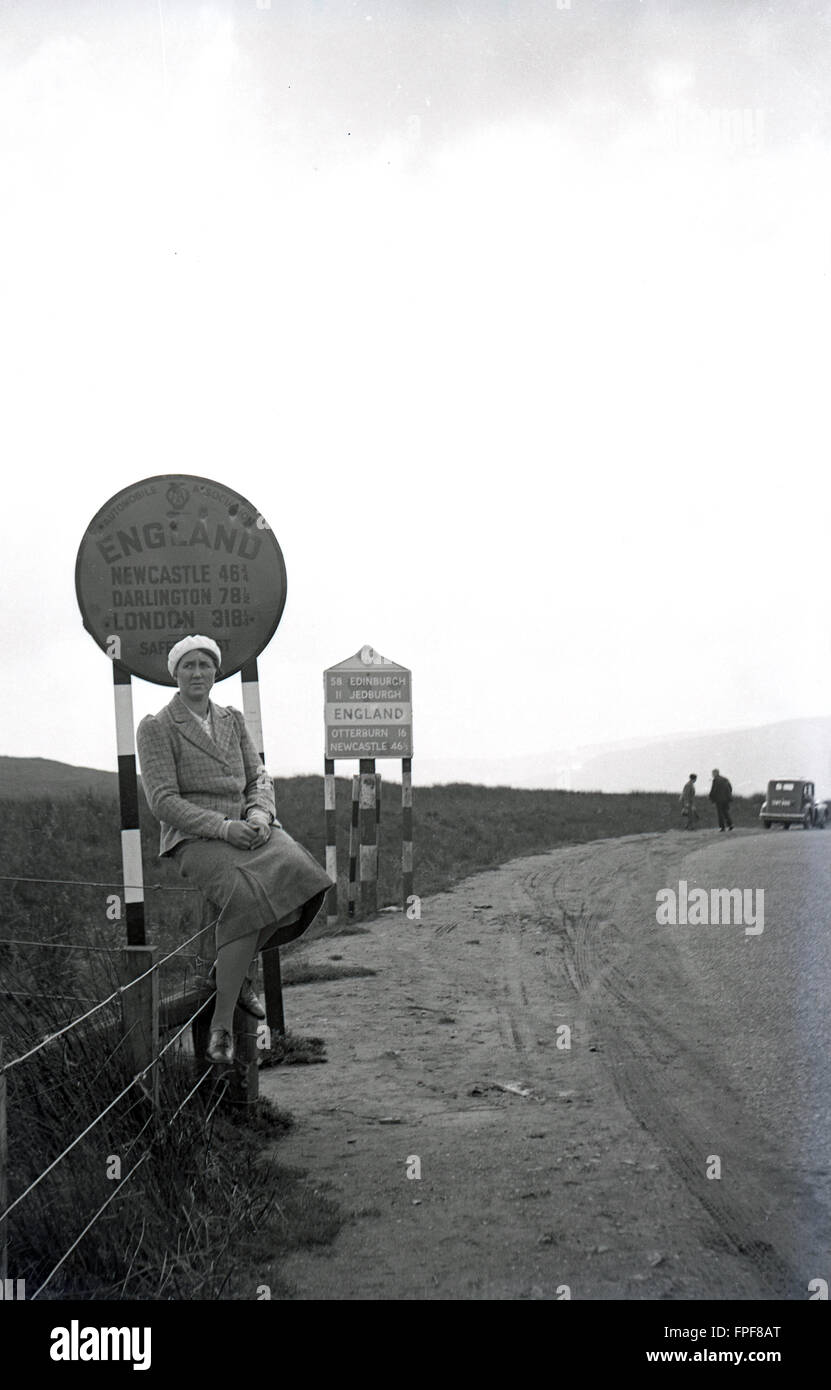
[[197, 643]]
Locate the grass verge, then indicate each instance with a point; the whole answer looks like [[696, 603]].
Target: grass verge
[[182, 1200]]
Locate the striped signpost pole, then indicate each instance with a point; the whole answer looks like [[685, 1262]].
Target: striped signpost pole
[[353, 847], [329, 792], [128, 798], [251, 705], [272, 972], [369, 844], [377, 824], [406, 830], [140, 1005]]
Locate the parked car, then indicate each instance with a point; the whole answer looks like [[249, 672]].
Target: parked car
[[790, 802]]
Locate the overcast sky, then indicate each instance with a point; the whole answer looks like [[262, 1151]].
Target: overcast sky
[[512, 318]]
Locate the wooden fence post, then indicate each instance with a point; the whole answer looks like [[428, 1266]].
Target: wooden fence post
[[140, 1012], [273, 985], [245, 1076], [201, 1034], [369, 853], [206, 956]]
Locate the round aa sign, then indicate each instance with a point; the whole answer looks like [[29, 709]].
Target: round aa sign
[[175, 555]]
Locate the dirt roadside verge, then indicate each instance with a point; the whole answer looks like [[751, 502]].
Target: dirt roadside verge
[[558, 1192]]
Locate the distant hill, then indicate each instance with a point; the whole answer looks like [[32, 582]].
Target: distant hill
[[749, 757], [21, 777]]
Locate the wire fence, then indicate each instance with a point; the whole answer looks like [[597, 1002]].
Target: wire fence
[[97, 883], [116, 994], [107, 1108], [144, 1157], [135, 1084], [127, 1176]]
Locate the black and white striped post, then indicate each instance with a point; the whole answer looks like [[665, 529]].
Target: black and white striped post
[[353, 847], [139, 1005], [377, 822], [369, 843], [272, 972], [329, 805], [251, 705], [128, 798], [407, 830]]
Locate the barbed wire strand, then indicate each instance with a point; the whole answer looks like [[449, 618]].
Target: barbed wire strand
[[64, 946], [134, 1169], [95, 883], [57, 945], [50, 1090], [52, 1037], [69, 1148], [91, 1222], [147, 1123], [122, 989], [30, 993], [137, 1078], [190, 1093]]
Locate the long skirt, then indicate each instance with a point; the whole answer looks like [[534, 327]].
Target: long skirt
[[252, 888]]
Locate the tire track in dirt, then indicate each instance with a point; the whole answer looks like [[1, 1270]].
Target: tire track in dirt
[[681, 1095], [637, 1048]]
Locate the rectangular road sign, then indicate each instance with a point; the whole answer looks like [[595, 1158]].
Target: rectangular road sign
[[368, 708]]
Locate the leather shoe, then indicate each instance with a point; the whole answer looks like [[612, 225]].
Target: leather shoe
[[248, 1000], [220, 1047]]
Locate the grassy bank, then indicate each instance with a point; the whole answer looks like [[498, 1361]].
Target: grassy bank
[[458, 830]]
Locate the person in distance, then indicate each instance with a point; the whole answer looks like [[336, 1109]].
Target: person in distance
[[207, 787], [721, 794], [688, 810]]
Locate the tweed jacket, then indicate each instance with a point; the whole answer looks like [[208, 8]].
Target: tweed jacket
[[194, 783]]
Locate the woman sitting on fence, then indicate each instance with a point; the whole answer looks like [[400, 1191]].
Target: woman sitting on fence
[[205, 783]]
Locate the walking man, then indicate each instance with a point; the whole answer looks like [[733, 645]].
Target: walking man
[[688, 810], [721, 794]]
